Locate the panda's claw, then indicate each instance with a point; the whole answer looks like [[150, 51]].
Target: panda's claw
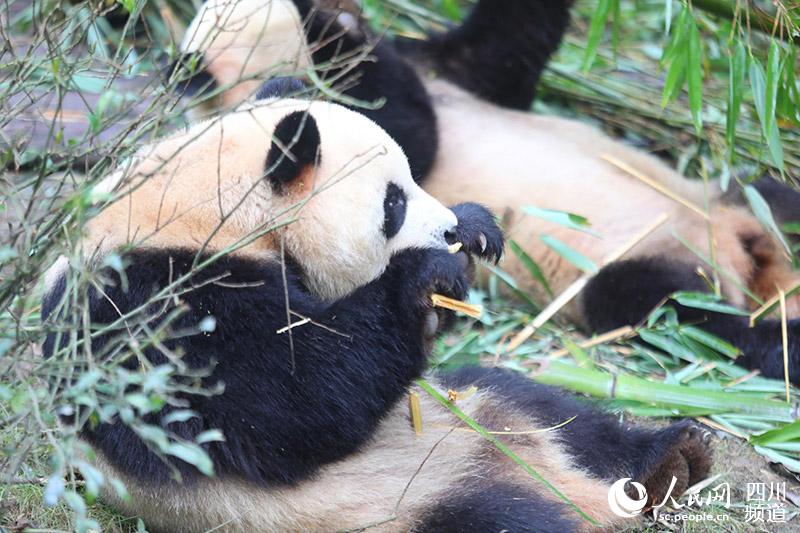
[[478, 232], [482, 240]]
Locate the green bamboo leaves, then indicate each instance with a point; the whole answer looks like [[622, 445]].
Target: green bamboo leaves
[[765, 95], [737, 65], [604, 7], [684, 54]]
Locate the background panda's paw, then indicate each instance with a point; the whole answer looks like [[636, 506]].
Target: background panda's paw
[[685, 455], [478, 232]]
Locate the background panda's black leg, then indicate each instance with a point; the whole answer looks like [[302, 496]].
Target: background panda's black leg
[[783, 200], [495, 507], [500, 50], [624, 292], [596, 440]]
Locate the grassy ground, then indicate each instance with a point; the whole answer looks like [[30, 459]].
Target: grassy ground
[[617, 94]]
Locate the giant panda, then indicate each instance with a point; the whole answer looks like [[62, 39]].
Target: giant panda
[[472, 86], [317, 432]]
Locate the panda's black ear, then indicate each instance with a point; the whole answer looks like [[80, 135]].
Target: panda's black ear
[[295, 146], [281, 87]]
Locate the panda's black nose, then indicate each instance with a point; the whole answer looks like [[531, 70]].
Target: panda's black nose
[[450, 236]]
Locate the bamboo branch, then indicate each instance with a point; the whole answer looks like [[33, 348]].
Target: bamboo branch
[[758, 18]]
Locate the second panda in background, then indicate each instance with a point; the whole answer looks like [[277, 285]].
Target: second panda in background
[[455, 103], [317, 435]]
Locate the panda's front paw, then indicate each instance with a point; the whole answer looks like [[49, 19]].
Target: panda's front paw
[[425, 272], [478, 232]]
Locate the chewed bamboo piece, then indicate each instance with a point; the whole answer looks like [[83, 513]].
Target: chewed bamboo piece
[[577, 286], [473, 310]]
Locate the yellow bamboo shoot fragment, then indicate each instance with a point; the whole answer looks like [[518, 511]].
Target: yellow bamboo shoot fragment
[[455, 247], [416, 412], [475, 311]]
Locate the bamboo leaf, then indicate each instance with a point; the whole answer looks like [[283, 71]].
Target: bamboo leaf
[[763, 213], [771, 85], [596, 32], [562, 218], [502, 447], [769, 128], [784, 434], [707, 301], [694, 68], [737, 64], [676, 77], [712, 341], [569, 253], [530, 265]]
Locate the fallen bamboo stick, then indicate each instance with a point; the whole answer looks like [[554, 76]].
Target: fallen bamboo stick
[[654, 184], [577, 286]]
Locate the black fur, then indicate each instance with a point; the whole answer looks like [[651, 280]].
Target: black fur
[[625, 292], [478, 231], [280, 87], [295, 145], [383, 78], [784, 202], [494, 506], [500, 51], [394, 210], [283, 414], [190, 80], [596, 440]]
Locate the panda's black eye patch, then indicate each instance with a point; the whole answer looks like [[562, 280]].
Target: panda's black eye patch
[[394, 210]]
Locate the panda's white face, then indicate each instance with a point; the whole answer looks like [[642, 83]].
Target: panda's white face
[[340, 204], [359, 205], [246, 41]]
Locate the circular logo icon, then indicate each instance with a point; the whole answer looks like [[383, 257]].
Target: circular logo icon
[[623, 505]]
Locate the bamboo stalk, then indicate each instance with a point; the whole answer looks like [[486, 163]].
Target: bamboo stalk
[[785, 338], [415, 411], [710, 423], [770, 304], [626, 387], [577, 286], [757, 18], [609, 336], [654, 184]]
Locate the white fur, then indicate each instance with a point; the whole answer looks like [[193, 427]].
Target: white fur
[[386, 486], [245, 41], [508, 159], [332, 217]]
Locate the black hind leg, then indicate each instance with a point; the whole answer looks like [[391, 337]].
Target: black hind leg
[[783, 200], [499, 51], [596, 440], [624, 292], [495, 507]]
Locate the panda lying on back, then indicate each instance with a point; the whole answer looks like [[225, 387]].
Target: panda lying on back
[[457, 103], [317, 435]]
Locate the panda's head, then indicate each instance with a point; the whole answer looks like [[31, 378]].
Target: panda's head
[[333, 189], [357, 202], [239, 42]]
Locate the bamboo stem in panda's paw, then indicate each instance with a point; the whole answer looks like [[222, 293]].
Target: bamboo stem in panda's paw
[[473, 310]]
